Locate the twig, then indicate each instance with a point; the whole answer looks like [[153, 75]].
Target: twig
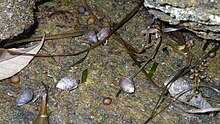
[[51, 37], [179, 74], [119, 25], [131, 54]]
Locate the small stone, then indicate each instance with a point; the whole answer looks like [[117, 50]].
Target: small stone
[[196, 74], [165, 51], [178, 90], [103, 33], [90, 21], [107, 101], [202, 77], [212, 55], [192, 77], [182, 47], [81, 9], [86, 13], [15, 79]]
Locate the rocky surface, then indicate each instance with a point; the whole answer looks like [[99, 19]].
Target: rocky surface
[[199, 16], [106, 65], [15, 17]]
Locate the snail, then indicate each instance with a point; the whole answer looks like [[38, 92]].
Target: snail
[[103, 33], [67, 84], [127, 85], [90, 36], [25, 97]]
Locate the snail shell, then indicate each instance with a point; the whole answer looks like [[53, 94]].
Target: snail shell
[[67, 84], [127, 85], [90, 36], [103, 33], [25, 97]]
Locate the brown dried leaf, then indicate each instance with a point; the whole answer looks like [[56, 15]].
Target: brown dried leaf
[[12, 64]]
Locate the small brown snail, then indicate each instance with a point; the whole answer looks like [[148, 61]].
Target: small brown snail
[[15, 79]]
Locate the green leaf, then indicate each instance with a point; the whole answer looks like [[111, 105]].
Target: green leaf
[[152, 70], [84, 76]]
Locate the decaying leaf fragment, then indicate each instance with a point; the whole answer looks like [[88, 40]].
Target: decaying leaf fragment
[[12, 64]]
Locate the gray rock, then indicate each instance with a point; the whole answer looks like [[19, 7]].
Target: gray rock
[[200, 16], [178, 89], [15, 17]]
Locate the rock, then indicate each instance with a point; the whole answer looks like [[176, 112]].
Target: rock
[[199, 16], [180, 89], [15, 17]]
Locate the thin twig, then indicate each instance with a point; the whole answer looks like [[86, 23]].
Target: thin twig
[[119, 25], [179, 74], [50, 37], [131, 54]]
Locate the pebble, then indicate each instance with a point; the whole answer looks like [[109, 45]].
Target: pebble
[[212, 55], [90, 36], [90, 21], [81, 9], [165, 51], [15, 79], [107, 101]]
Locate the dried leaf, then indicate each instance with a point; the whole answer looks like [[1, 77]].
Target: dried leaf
[[166, 30], [203, 110], [12, 64]]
